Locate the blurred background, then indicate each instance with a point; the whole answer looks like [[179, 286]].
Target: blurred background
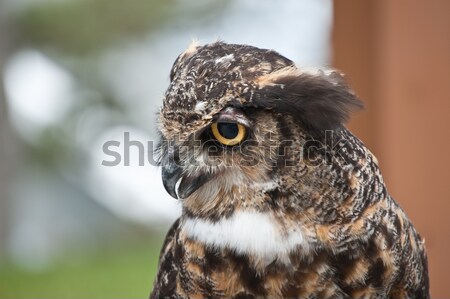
[[75, 74]]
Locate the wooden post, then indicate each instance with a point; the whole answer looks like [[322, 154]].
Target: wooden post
[[396, 54]]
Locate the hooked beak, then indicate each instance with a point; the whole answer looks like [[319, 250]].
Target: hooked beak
[[181, 186]]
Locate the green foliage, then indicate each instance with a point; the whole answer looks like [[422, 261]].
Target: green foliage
[[121, 273], [81, 26]]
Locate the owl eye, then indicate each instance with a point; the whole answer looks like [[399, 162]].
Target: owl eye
[[228, 133]]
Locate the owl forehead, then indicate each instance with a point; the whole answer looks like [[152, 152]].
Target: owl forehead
[[206, 79]]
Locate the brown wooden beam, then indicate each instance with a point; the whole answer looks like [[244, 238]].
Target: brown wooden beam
[[397, 56]]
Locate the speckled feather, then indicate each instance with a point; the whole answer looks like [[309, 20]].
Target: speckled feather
[[325, 224]]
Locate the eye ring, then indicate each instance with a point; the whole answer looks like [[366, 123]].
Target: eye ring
[[236, 132]]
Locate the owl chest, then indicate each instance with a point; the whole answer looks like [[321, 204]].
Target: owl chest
[[206, 272], [250, 255], [221, 273]]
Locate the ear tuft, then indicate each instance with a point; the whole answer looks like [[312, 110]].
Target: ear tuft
[[320, 100]]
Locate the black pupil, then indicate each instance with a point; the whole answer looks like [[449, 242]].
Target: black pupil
[[228, 130]]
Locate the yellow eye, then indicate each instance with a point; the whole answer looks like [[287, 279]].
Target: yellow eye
[[228, 133]]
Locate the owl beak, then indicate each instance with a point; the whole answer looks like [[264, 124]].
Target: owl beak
[[171, 175], [181, 186]]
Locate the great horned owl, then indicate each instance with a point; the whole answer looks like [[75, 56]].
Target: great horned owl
[[279, 199]]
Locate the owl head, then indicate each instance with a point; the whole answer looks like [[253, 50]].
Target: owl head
[[243, 127]]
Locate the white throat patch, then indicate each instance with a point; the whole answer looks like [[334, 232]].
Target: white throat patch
[[247, 232]]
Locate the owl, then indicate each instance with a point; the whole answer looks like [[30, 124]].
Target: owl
[[279, 199]]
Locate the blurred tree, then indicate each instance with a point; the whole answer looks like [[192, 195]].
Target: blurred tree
[[83, 26], [8, 142], [86, 26]]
